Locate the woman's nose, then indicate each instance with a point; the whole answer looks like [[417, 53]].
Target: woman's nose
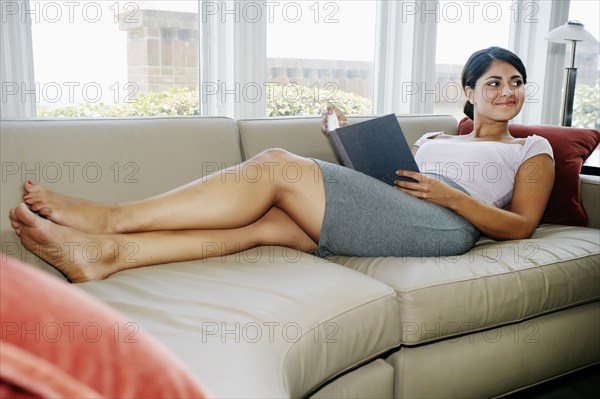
[[507, 90]]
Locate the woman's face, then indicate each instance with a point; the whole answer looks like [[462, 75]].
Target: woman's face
[[499, 93]]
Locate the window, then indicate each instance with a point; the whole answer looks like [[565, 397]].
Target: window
[[320, 51], [114, 58], [586, 109], [463, 28], [123, 57]]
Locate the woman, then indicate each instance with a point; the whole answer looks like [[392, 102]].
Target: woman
[[326, 209]]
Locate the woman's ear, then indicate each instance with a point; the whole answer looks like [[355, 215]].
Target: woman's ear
[[469, 94]]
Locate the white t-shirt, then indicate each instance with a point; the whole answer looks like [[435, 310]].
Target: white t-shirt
[[485, 169]]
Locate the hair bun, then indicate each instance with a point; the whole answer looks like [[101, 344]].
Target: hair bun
[[468, 109]]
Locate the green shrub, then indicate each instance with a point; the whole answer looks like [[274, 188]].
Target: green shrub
[[175, 101], [291, 99], [281, 101]]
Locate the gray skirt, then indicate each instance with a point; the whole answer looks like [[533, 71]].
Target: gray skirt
[[366, 217]]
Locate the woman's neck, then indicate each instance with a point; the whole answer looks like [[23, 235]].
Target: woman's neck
[[490, 128]]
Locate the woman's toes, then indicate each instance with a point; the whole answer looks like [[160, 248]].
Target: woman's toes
[[14, 222], [12, 215], [46, 212], [30, 186], [35, 206], [24, 216]]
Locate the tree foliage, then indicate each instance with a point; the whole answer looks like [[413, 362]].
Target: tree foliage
[[586, 109]]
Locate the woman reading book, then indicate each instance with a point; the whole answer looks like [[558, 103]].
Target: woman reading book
[[485, 182]]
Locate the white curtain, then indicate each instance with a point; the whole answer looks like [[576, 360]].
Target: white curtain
[[233, 60], [18, 97], [544, 60], [404, 58]]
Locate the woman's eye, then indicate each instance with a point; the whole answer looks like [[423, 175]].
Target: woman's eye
[[493, 84], [518, 83]]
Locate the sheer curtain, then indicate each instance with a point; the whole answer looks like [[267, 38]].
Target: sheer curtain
[[16, 62], [544, 60], [404, 58], [233, 60]]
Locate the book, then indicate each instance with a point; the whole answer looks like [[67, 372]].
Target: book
[[376, 147]]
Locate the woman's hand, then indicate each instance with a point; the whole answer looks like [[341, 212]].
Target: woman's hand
[[331, 108], [427, 188]]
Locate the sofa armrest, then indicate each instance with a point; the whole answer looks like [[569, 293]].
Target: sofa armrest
[[590, 196]]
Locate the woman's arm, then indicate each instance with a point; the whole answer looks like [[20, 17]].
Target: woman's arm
[[533, 184]]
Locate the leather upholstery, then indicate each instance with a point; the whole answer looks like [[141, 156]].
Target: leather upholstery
[[271, 322]]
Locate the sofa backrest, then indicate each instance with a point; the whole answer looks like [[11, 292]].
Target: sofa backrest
[[303, 136], [109, 159]]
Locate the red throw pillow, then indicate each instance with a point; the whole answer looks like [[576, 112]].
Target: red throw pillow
[[571, 147], [57, 341]]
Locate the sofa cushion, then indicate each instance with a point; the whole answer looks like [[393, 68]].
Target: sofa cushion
[[590, 195], [259, 134], [571, 147], [495, 283], [58, 342], [268, 322]]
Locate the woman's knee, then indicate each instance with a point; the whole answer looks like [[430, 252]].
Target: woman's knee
[[277, 163], [274, 155]]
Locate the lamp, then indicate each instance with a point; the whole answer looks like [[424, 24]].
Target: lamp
[[571, 32]]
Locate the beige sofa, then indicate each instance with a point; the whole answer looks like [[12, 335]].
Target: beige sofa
[[273, 322]]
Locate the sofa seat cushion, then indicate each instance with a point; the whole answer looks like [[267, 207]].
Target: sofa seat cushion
[[495, 283], [268, 322], [57, 342]]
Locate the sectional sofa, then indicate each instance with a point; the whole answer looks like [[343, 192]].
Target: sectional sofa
[[274, 322]]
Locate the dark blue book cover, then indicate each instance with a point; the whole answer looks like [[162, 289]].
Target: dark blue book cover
[[376, 147]]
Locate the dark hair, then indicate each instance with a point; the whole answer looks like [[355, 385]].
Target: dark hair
[[480, 61]]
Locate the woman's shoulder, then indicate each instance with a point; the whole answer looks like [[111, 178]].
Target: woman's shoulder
[[535, 145], [430, 136], [535, 138]]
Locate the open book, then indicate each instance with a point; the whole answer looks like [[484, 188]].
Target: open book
[[376, 147]]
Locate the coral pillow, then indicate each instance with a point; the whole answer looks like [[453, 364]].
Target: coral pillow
[[59, 342], [571, 147]]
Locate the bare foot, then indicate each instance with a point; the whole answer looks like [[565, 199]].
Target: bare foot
[[83, 215], [79, 256]]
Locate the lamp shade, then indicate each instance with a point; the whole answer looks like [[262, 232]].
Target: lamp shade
[[571, 31]]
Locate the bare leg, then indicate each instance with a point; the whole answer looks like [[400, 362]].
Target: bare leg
[[84, 257], [231, 198]]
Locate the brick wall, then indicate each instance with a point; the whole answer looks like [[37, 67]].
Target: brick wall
[[162, 49], [162, 52]]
